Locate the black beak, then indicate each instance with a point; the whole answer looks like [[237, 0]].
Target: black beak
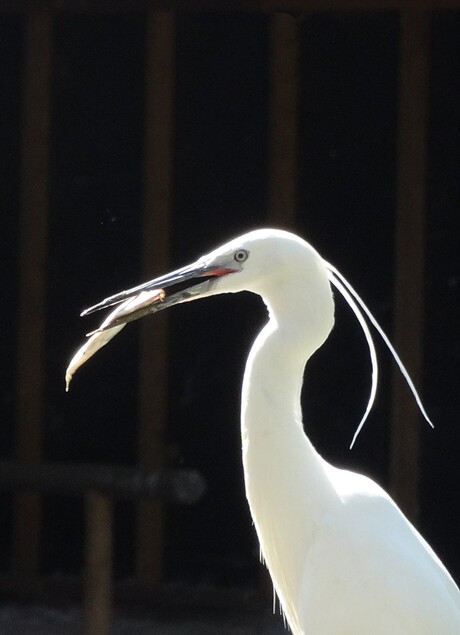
[[153, 296], [178, 286]]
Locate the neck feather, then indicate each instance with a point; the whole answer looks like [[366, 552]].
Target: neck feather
[[286, 481]]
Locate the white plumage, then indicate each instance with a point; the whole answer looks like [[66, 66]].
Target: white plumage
[[343, 558]]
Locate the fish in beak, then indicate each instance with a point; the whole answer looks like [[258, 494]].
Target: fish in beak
[[182, 285]]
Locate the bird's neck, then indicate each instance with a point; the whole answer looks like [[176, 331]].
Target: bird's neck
[[271, 419], [286, 481]]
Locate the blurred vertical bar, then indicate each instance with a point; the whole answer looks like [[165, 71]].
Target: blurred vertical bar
[[282, 142], [97, 591], [155, 257], [32, 283], [283, 114], [409, 253]]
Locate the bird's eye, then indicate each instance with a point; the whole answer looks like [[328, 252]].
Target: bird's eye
[[241, 255]]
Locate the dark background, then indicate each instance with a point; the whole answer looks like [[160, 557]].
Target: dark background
[[346, 209]]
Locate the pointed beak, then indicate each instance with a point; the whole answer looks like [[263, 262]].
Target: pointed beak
[[182, 285]]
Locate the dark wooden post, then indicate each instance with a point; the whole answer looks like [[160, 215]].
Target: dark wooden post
[[32, 283], [409, 252], [282, 146], [97, 592], [282, 174], [155, 249]]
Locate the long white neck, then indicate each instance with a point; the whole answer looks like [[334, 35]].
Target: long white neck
[[277, 455]]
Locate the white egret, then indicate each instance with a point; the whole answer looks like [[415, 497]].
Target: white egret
[[343, 558]]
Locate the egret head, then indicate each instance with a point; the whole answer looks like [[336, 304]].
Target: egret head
[[279, 266], [264, 258], [286, 271]]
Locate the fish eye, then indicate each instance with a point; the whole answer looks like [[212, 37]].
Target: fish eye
[[241, 255]]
